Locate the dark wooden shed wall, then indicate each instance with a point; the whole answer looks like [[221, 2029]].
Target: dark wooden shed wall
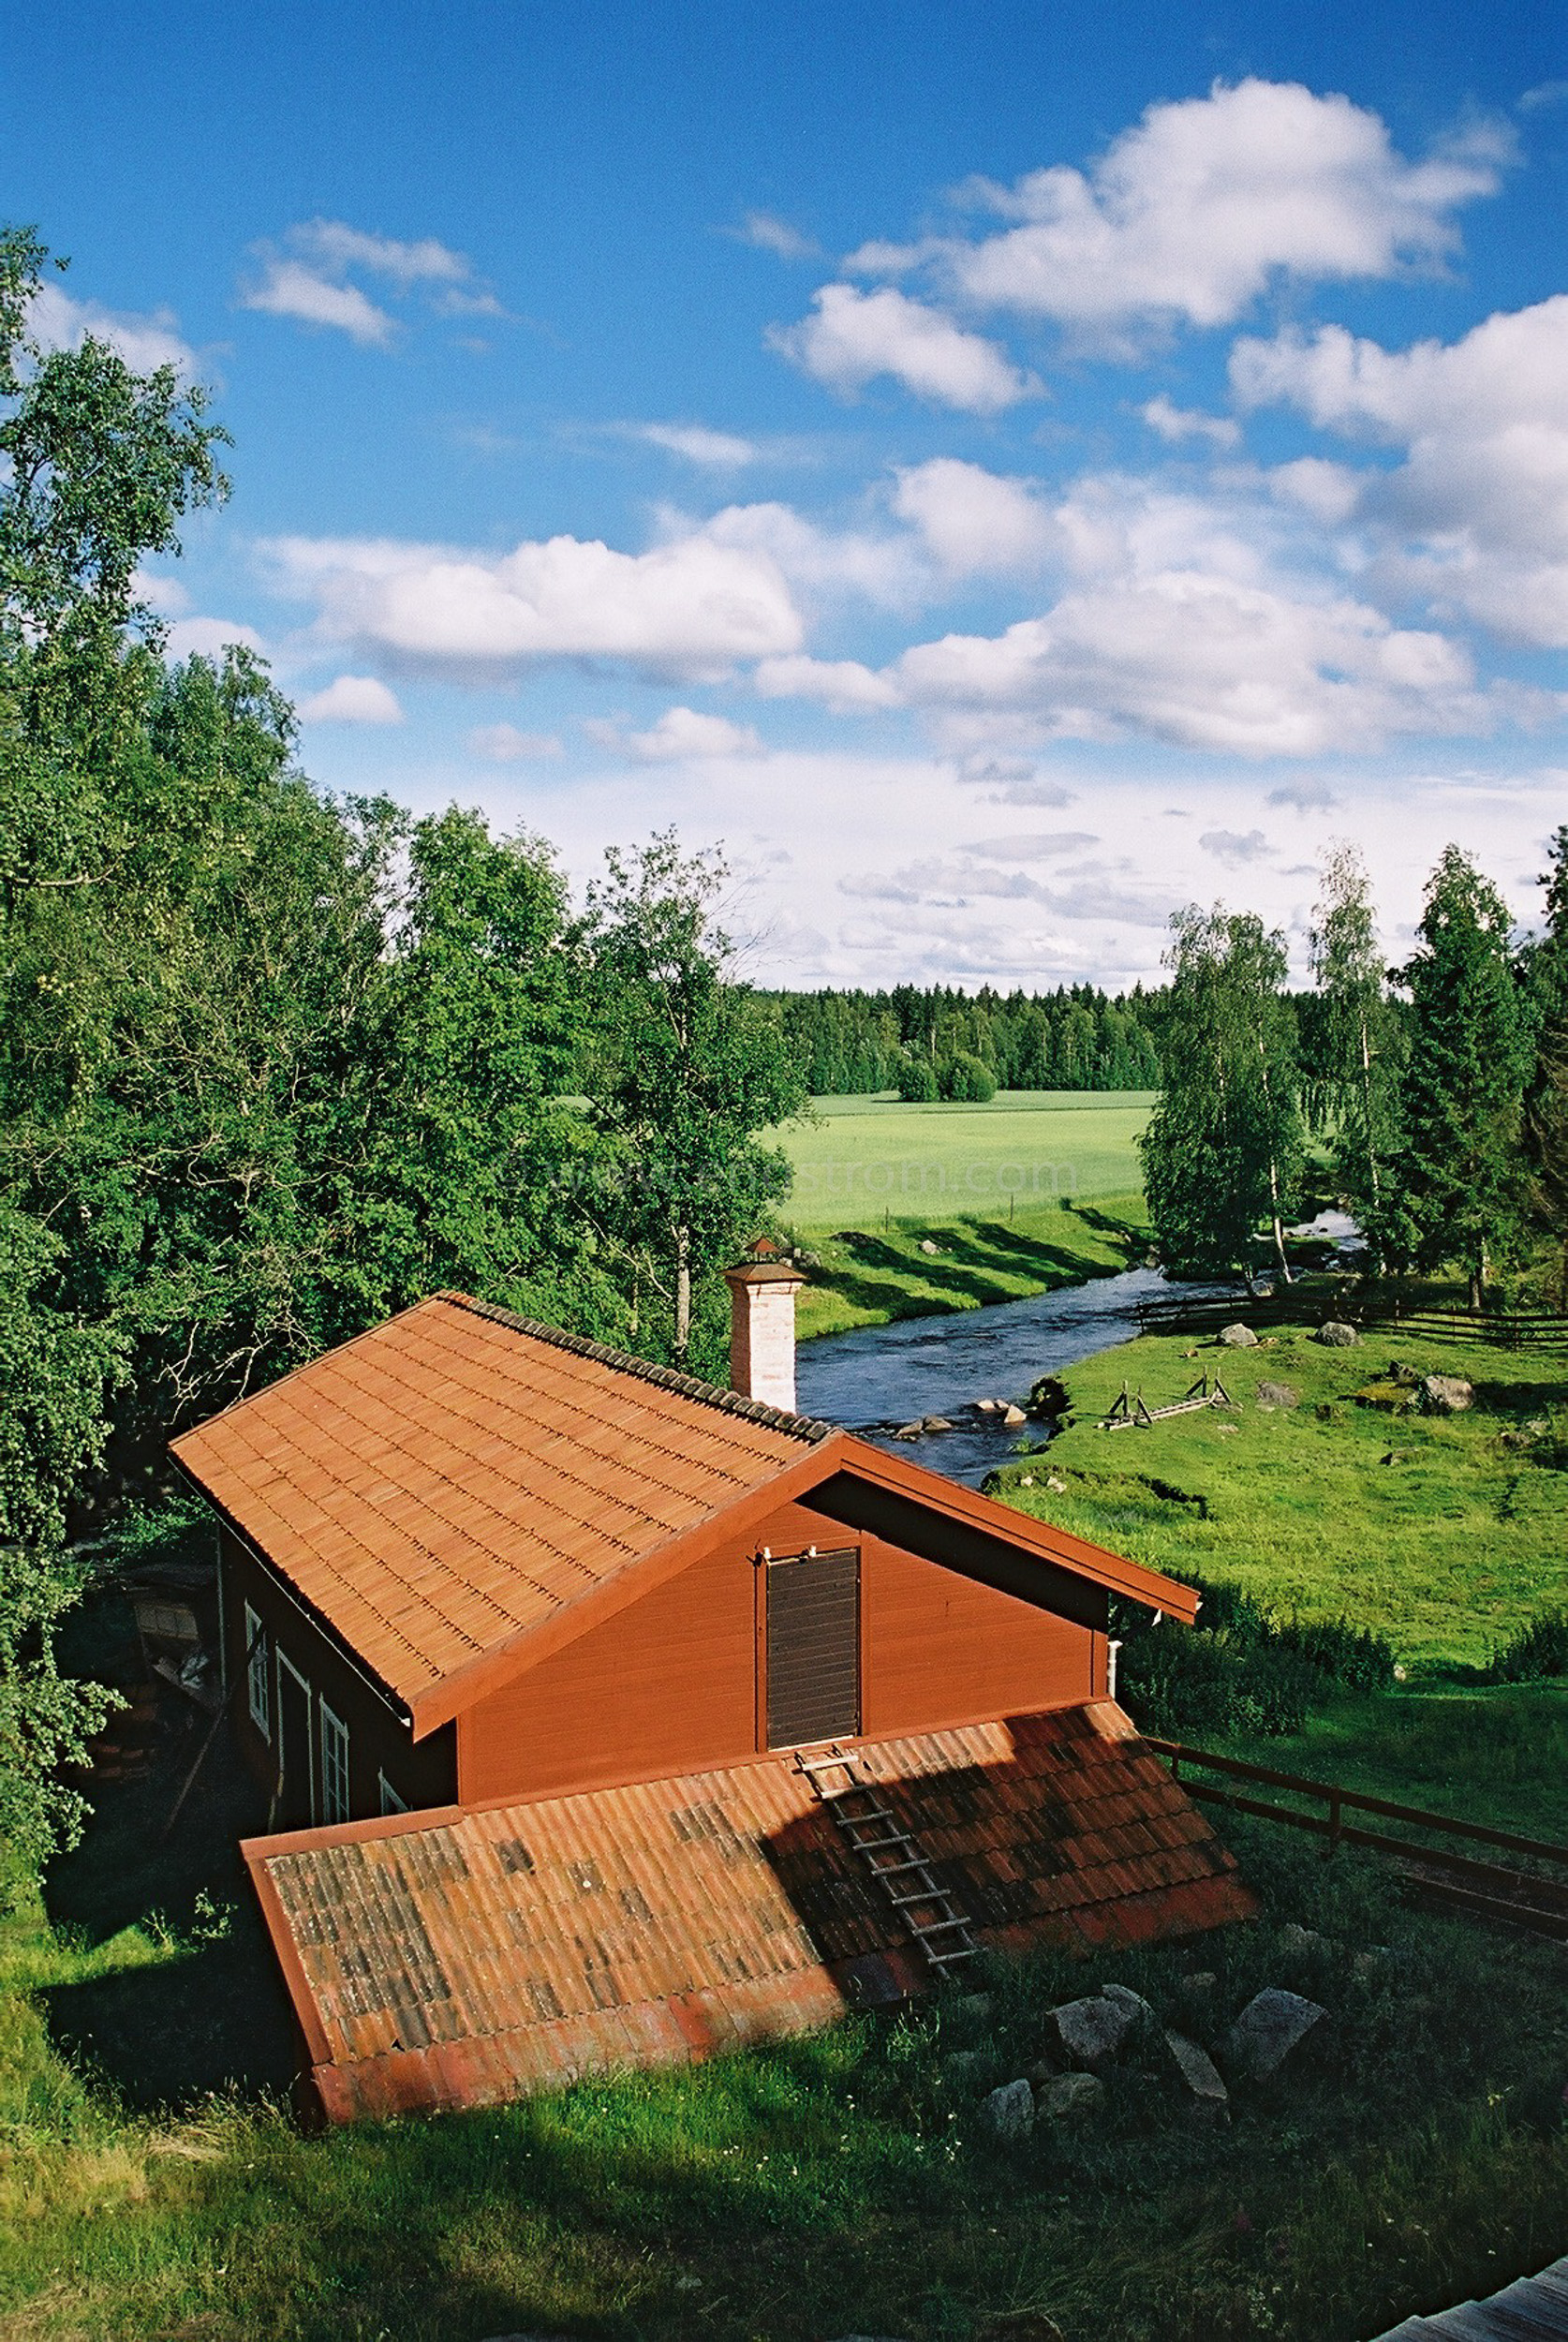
[[674, 1681], [422, 1772]]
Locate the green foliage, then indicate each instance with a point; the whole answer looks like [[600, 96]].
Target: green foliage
[[855, 1044], [1470, 1055], [967, 1080], [917, 1082], [687, 1066], [53, 1373], [1538, 1650], [1241, 1669], [1545, 1103], [1223, 1149], [1356, 1051]]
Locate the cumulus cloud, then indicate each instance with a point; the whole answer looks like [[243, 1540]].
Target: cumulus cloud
[[1477, 514], [680, 734], [353, 699], [855, 338], [1175, 423], [55, 321], [842, 684], [310, 279], [1198, 209], [504, 744], [972, 520], [209, 638], [824, 564], [1035, 846], [692, 608], [955, 884], [1304, 795]]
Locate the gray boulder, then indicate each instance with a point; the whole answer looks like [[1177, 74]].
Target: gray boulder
[[1446, 1394], [1093, 2030], [936, 1423], [1008, 2112], [926, 1245], [1238, 1337], [1295, 1937], [1066, 2095], [1336, 1335], [1133, 2004], [1267, 2030], [1013, 1416], [1200, 2073], [1271, 1395]]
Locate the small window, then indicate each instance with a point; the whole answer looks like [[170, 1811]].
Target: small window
[[334, 1766], [813, 1647], [259, 1674], [391, 1802]]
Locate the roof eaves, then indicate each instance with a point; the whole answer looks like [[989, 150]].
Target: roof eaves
[[669, 1378]]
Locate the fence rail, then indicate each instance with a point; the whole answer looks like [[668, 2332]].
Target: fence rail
[[1523, 1897], [1514, 1329]]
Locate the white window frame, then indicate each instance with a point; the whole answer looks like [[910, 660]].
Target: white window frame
[[312, 1783], [259, 1674], [391, 1802], [335, 1801]]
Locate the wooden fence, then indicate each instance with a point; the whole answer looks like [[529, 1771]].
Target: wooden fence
[[1535, 1899], [1515, 1329]]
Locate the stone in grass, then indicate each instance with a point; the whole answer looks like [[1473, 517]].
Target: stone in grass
[[1008, 2112], [926, 1245], [1124, 1997], [1093, 2030], [1446, 1394], [1200, 2073], [1238, 1337], [1272, 1395], [1295, 1937], [1336, 1335], [1269, 2027], [1064, 2096]]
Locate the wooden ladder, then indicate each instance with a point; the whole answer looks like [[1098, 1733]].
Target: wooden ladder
[[890, 1856]]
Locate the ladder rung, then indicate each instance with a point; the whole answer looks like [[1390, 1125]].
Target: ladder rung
[[937, 1926], [860, 1821], [870, 1845], [943, 1959], [842, 1797], [891, 1869], [822, 1764], [935, 1895]]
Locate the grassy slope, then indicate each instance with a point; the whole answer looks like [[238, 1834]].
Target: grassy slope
[[1037, 1189], [1448, 1549]]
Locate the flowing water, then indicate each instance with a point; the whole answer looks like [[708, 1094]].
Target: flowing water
[[879, 1377]]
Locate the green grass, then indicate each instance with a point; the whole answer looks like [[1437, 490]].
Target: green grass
[[868, 1160], [1415, 2154], [1429, 1531]]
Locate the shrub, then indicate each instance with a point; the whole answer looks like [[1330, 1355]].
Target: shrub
[[917, 1082], [968, 1080], [1241, 1670], [1349, 1656], [1538, 1650]]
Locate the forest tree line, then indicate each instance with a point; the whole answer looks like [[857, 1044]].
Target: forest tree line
[[925, 1041]]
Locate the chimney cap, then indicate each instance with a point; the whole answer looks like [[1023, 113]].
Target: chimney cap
[[763, 1272]]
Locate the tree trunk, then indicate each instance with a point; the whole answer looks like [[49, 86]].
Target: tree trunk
[[683, 1292]]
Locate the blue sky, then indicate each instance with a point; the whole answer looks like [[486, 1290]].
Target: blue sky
[[1003, 477]]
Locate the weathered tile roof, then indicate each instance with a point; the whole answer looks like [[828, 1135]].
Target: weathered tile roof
[[457, 1476], [467, 1957]]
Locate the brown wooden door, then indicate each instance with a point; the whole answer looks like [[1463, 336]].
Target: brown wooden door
[[295, 1787], [813, 1647]]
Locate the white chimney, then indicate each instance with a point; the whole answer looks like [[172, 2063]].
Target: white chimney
[[762, 1331]]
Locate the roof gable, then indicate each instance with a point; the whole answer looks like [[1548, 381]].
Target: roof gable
[[457, 1476]]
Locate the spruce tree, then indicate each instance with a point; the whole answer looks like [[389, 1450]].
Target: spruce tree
[[1358, 1047], [1458, 1167], [1546, 1105]]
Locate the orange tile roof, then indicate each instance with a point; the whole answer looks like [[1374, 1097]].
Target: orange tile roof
[[458, 1476], [467, 1957]]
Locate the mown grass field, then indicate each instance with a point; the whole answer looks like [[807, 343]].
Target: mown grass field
[[1039, 1188], [872, 1160], [1429, 1530]]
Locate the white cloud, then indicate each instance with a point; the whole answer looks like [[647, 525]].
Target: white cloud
[[353, 699], [771, 234], [690, 608], [289, 289], [972, 520], [720, 450], [1193, 213], [856, 336], [1304, 796], [1477, 514], [823, 563], [1233, 849], [841, 685], [55, 321], [503, 744], [1329, 492], [1175, 423], [1035, 845], [310, 280], [209, 638], [680, 734]]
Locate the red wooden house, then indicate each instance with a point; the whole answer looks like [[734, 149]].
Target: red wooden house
[[551, 1659]]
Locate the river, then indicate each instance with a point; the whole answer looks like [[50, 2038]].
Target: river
[[885, 1375]]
